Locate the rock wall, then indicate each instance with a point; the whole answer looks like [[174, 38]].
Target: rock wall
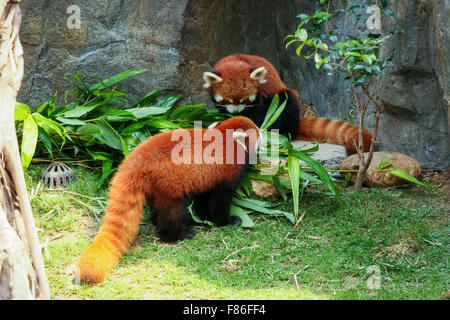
[[176, 40]]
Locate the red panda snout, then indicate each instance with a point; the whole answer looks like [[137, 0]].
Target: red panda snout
[[235, 109]]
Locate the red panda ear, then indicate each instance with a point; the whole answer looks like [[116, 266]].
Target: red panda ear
[[259, 74], [213, 125], [239, 137], [210, 78]]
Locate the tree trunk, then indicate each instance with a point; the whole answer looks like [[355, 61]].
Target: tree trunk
[[22, 273]]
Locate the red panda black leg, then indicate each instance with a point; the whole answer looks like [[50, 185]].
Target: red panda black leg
[[201, 205], [215, 206], [153, 213], [170, 221]]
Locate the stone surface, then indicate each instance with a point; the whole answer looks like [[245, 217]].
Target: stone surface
[[177, 40], [264, 189], [383, 178], [329, 155]]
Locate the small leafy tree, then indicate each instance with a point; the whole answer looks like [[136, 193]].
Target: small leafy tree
[[355, 57]]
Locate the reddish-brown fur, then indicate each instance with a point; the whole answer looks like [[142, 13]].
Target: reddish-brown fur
[[236, 84], [149, 173], [335, 132], [239, 66]]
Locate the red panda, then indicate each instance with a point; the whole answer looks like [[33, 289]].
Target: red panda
[[245, 85], [149, 173]]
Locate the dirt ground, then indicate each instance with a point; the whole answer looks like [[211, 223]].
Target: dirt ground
[[438, 179]]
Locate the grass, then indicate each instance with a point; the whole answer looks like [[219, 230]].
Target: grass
[[336, 250]]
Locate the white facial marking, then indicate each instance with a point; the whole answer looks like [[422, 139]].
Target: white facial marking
[[242, 100], [231, 108], [230, 100], [252, 98], [218, 98], [213, 125]]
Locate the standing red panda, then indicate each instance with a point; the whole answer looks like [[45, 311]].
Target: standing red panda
[[245, 85], [150, 174]]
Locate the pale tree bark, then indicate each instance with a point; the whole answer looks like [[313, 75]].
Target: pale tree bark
[[22, 272]]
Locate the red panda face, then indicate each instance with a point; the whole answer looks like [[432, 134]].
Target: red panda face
[[235, 85]]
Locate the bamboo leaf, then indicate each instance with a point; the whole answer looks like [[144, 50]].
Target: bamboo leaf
[[117, 78], [21, 111], [402, 174], [294, 175], [29, 141], [46, 141], [247, 222], [320, 171]]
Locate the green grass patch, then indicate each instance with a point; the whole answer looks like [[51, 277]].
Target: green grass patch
[[335, 252]]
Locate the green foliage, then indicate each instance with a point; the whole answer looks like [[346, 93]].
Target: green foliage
[[99, 127], [102, 124], [293, 178], [384, 164], [358, 58]]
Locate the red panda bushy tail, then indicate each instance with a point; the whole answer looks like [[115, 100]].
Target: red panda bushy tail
[[333, 131], [120, 226]]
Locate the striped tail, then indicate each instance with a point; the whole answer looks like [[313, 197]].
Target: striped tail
[[120, 226], [334, 132]]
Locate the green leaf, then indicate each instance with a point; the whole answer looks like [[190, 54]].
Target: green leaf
[[48, 107], [247, 222], [196, 218], [132, 128], [277, 184], [44, 122], [185, 112], [291, 42], [402, 174], [29, 141], [167, 102], [294, 175], [109, 135], [162, 124], [107, 171], [117, 115], [320, 171], [99, 155], [21, 111], [383, 164], [89, 129], [149, 98], [302, 34], [299, 49], [140, 113], [353, 53], [46, 141], [273, 112], [333, 38], [80, 111], [117, 78], [73, 122], [368, 58]]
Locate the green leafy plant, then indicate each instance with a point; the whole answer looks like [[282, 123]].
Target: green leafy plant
[[102, 124], [287, 172], [355, 57]]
